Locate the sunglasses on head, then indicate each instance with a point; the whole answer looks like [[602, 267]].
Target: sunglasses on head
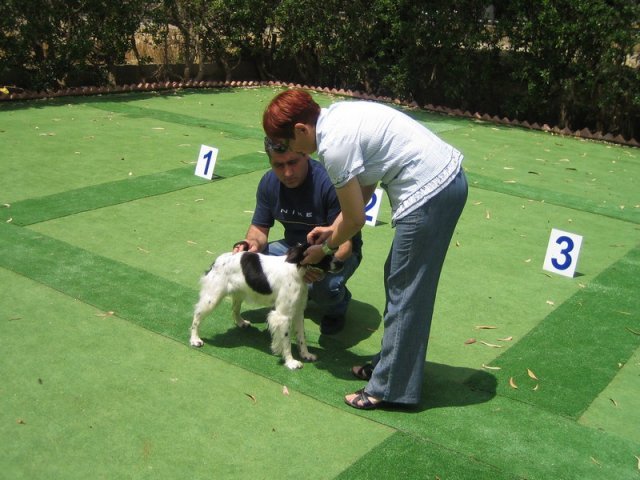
[[277, 147]]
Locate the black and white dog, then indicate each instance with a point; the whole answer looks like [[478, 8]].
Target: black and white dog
[[262, 280]]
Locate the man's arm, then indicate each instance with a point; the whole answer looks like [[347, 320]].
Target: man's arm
[[257, 238]]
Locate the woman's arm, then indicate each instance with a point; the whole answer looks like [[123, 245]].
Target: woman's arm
[[352, 198]]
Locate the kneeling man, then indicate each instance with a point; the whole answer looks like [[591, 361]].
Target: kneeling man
[[297, 193]]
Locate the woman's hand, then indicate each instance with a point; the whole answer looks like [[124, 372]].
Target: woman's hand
[[319, 235], [313, 255]]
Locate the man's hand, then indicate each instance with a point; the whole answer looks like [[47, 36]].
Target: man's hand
[[313, 274], [244, 246]]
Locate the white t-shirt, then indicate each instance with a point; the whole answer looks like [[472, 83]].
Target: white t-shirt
[[377, 143]]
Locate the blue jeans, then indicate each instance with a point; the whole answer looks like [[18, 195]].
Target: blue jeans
[[331, 292], [411, 275]]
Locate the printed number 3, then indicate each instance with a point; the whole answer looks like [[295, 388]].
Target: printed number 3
[[564, 252]]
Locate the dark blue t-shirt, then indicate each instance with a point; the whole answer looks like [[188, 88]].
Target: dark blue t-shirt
[[313, 204]]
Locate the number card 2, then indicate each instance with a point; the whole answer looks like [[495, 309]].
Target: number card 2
[[206, 162], [562, 253], [372, 208]]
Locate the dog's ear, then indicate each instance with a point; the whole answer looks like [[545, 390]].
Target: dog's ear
[[296, 254]]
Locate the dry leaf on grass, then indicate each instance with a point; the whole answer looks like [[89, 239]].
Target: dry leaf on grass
[[638, 458], [191, 242], [487, 215], [535, 389], [512, 383], [488, 367], [615, 404], [105, 314], [595, 461], [550, 302], [492, 345], [531, 374], [485, 327], [251, 397], [470, 341], [505, 339], [635, 332], [285, 390]]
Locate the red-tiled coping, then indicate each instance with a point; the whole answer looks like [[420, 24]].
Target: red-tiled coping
[[155, 86]]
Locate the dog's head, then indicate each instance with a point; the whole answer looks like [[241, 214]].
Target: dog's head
[[328, 264]]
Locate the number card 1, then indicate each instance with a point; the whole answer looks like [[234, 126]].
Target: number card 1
[[562, 253], [372, 208], [206, 162]]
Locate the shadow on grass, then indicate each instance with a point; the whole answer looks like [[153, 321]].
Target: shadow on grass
[[444, 385]]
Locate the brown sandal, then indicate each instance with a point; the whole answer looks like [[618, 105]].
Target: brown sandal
[[363, 401]]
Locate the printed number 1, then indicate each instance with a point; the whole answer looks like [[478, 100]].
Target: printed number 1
[[565, 252], [208, 157], [369, 206]]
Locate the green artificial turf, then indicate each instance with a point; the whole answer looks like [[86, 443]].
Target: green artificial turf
[[89, 395], [123, 226], [69, 270], [577, 350]]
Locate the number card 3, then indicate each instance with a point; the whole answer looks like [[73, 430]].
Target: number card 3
[[206, 162], [372, 208], [562, 253]]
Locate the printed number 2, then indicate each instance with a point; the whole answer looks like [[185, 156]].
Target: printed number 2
[[564, 252], [369, 206], [208, 157]]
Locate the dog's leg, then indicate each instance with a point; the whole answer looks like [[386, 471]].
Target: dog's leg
[[235, 310], [279, 326], [199, 312], [207, 302], [298, 325]]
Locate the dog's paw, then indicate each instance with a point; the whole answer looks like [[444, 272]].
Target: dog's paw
[[242, 323], [196, 342], [293, 364], [309, 357]]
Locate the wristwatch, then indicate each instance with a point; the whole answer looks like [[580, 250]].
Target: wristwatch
[[327, 250]]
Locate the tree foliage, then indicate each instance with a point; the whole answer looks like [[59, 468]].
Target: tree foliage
[[570, 63], [55, 42], [573, 58]]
